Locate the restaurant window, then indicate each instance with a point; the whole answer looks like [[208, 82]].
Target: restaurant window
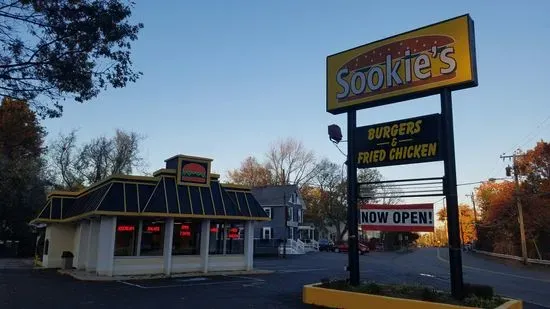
[[234, 242], [187, 238], [126, 237], [226, 238], [152, 238]]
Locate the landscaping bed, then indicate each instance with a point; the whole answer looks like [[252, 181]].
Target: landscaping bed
[[340, 294]]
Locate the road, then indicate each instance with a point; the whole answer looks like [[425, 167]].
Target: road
[[24, 288]]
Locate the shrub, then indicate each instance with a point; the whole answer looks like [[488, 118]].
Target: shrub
[[479, 290]]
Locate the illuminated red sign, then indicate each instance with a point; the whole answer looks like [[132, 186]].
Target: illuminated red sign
[[185, 227], [153, 228], [214, 229], [125, 228], [185, 234], [233, 233]]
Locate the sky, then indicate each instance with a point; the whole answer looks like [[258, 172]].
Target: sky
[[225, 79]]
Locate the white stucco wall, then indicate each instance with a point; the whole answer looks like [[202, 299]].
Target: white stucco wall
[[60, 238], [186, 263], [136, 265], [226, 262]]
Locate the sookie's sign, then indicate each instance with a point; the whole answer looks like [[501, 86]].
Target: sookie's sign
[[405, 66], [413, 140], [193, 172], [397, 218]]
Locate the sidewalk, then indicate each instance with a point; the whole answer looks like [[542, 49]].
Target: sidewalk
[[87, 276], [15, 263]]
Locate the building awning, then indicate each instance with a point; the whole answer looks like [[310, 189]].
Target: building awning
[[158, 196]]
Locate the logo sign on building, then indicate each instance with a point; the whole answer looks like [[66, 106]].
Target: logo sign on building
[[413, 140], [193, 172], [409, 65], [397, 218]]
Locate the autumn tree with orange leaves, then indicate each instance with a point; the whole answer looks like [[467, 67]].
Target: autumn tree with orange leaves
[[467, 222], [498, 228], [22, 178]]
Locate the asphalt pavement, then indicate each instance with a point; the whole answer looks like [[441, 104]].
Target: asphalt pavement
[[25, 288]]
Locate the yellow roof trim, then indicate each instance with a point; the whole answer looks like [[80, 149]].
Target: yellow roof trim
[[189, 158], [152, 214], [235, 187], [169, 171], [113, 178]]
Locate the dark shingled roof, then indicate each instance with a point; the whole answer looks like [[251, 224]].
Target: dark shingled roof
[[274, 195], [157, 196]]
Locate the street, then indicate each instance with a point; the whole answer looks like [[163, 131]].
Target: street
[[25, 288]]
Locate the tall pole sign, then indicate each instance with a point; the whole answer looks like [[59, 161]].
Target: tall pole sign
[[436, 59]]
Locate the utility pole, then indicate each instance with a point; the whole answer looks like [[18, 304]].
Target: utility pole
[[518, 203], [475, 212]]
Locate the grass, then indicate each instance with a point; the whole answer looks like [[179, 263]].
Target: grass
[[483, 299]]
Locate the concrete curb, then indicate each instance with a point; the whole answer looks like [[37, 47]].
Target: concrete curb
[[90, 277]]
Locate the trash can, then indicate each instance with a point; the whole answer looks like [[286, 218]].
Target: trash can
[[67, 257]]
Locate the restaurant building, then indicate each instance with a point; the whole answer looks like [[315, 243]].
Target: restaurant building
[[182, 219]]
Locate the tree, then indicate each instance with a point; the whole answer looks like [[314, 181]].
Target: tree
[[52, 50], [326, 196], [75, 167], [535, 167], [251, 173], [22, 186], [289, 162], [467, 222], [63, 157]]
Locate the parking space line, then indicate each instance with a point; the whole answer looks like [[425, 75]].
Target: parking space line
[[133, 284], [195, 284], [247, 278], [301, 270]]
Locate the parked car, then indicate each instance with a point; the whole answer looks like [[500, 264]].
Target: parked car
[[326, 245], [343, 247]]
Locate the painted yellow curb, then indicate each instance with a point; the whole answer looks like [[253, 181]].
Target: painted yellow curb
[[314, 295]]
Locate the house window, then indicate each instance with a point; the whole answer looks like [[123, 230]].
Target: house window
[[266, 233], [152, 238], [126, 237], [187, 238], [268, 212], [300, 216], [290, 214]]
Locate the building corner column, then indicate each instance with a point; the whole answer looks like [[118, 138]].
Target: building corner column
[[168, 241], [249, 245], [205, 244], [106, 246]]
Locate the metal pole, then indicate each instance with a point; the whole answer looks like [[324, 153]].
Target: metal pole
[[353, 252], [520, 214], [453, 221], [286, 222]]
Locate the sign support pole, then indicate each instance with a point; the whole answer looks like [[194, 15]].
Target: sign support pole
[[455, 255], [353, 224]]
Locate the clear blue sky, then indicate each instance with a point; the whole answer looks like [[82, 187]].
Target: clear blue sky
[[225, 79]]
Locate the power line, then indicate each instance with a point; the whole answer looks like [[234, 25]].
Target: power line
[[534, 131]]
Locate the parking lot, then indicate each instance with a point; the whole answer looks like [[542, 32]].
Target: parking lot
[[25, 288]]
